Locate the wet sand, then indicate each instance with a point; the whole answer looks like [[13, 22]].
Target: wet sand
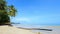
[[14, 30]]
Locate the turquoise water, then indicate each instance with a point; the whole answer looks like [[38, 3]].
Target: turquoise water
[[27, 25]]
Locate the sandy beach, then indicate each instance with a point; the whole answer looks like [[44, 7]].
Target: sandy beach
[[14, 30]]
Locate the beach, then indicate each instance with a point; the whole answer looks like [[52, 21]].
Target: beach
[[55, 30], [13, 30]]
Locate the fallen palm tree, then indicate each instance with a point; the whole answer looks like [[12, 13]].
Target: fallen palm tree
[[35, 29]]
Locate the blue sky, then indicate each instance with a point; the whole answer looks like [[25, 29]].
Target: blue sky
[[36, 12]]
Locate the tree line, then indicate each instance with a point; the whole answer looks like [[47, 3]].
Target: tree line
[[6, 12]]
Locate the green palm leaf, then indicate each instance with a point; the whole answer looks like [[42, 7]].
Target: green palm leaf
[[12, 11]]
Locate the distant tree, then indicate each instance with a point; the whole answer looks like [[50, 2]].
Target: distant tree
[[6, 12]]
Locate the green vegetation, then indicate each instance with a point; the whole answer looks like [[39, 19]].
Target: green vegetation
[[6, 12]]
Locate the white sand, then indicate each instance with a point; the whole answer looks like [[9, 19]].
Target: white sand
[[14, 30]]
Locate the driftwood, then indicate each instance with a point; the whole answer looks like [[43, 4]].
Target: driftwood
[[35, 29]]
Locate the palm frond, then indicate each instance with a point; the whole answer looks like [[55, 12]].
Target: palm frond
[[12, 11]]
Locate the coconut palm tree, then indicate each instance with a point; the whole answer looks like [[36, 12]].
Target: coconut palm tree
[[12, 11], [5, 12]]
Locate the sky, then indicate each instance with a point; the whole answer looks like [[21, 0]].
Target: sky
[[36, 12]]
